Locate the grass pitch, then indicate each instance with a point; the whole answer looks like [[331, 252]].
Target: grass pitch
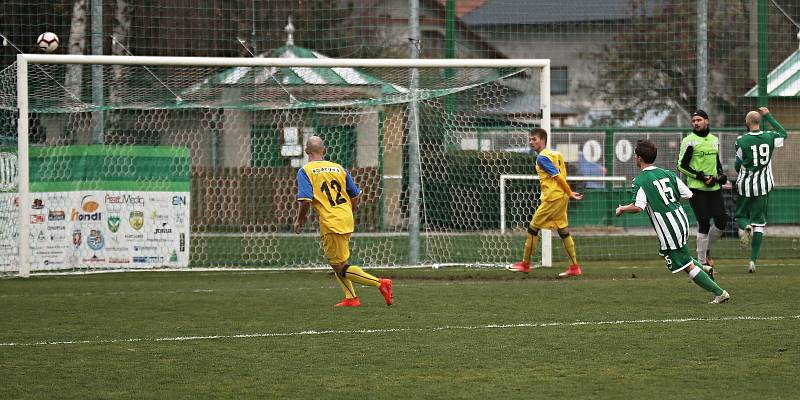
[[617, 332]]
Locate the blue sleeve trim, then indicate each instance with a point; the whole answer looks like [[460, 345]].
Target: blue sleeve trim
[[547, 165], [352, 189], [304, 189]]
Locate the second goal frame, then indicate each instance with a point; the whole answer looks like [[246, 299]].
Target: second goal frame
[[547, 243]]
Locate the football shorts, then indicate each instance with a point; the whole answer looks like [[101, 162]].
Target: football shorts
[[753, 209], [677, 260], [336, 247], [551, 214]]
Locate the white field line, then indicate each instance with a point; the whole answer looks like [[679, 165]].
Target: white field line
[[393, 330]]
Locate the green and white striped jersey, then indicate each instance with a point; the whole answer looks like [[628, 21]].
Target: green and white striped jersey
[[754, 151], [659, 192]]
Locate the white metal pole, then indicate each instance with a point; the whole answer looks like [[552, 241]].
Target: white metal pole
[[414, 170], [544, 95], [23, 221], [293, 62], [502, 204]]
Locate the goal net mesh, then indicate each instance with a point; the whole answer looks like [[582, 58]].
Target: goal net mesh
[[196, 166]]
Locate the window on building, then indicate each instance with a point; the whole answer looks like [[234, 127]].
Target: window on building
[[559, 80]]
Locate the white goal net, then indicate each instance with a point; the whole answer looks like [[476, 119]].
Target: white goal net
[[144, 162]]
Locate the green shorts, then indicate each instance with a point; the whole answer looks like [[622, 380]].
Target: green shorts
[[677, 260], [752, 209]]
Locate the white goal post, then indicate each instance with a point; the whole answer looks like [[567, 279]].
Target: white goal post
[[25, 71], [546, 239]]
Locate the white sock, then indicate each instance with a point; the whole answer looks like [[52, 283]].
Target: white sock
[[702, 247], [714, 233]]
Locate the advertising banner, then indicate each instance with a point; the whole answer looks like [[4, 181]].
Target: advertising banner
[[103, 206]]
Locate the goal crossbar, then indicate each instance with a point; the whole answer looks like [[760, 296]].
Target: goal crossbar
[[284, 62]]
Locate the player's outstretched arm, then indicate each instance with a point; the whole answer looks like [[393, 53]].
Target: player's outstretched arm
[[630, 208]]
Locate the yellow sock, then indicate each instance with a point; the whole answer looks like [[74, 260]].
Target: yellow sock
[[569, 246], [530, 247], [347, 286], [356, 274]]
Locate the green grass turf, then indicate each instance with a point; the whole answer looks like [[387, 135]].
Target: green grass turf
[[453, 333], [280, 251]]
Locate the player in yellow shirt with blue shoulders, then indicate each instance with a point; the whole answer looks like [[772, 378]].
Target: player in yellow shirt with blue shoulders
[[333, 193], [552, 212]]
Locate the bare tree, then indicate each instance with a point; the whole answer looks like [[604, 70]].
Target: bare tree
[[120, 32], [76, 45], [651, 65]]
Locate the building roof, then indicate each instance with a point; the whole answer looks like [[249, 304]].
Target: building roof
[[298, 75], [526, 12], [784, 80], [464, 7]]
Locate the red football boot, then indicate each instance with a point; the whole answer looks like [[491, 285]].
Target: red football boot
[[386, 290], [573, 270], [521, 266], [353, 302]]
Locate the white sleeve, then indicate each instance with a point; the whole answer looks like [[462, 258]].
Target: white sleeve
[[686, 193], [641, 199]]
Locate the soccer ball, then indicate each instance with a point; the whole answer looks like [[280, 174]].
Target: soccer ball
[[47, 42]]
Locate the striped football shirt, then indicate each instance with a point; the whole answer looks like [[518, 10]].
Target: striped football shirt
[[658, 191], [754, 151]]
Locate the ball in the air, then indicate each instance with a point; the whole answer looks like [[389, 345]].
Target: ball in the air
[[47, 42]]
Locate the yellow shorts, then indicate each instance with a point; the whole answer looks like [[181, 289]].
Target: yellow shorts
[[336, 247], [551, 214]]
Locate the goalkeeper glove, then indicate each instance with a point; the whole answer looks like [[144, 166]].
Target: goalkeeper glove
[[722, 179], [710, 180]]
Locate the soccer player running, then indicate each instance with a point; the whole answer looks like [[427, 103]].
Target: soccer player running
[[332, 191], [552, 212], [754, 180], [656, 190], [699, 161]]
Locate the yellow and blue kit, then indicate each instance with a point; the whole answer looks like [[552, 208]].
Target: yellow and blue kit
[[552, 212], [329, 187], [549, 164]]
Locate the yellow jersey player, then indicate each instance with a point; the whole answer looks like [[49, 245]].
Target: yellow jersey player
[[332, 191], [552, 212]]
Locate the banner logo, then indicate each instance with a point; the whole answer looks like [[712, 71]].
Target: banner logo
[[136, 219], [56, 215], [113, 223], [89, 206], [8, 171], [178, 200], [95, 240], [77, 238]]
